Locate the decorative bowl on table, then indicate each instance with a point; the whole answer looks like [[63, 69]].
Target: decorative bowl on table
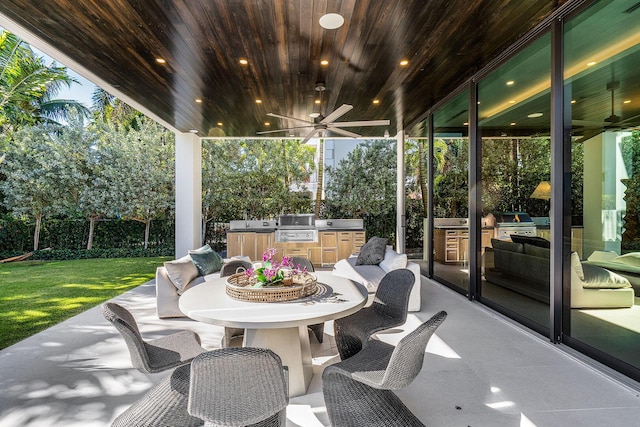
[[272, 282]]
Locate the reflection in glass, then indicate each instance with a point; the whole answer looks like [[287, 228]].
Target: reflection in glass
[[514, 124], [451, 193], [602, 91]]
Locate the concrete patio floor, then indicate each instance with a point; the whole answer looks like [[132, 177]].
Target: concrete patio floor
[[480, 369]]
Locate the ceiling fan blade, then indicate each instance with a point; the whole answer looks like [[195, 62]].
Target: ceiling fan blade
[[344, 132], [308, 137], [289, 118], [339, 112], [360, 123], [282, 130]]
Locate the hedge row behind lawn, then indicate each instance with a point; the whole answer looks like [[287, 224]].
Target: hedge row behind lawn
[[35, 295], [69, 254]]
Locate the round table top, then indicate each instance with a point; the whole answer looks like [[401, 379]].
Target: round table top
[[209, 303]]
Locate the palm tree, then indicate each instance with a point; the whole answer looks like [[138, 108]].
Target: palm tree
[[107, 107], [28, 87]]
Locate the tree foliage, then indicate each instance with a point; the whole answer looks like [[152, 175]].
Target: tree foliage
[[33, 168], [255, 178], [28, 87], [364, 183]]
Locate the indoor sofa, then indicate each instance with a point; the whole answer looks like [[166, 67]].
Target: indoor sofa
[[525, 267], [370, 275]]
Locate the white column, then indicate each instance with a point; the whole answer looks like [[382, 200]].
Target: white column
[[400, 213], [188, 193]]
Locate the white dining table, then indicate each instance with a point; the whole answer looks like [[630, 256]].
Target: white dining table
[[279, 326]]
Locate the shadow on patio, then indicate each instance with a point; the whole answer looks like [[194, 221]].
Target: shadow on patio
[[479, 370]]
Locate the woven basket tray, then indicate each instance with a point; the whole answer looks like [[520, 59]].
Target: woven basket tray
[[240, 287]]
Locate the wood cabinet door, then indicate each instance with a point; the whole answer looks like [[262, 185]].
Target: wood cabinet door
[[345, 244], [328, 239], [315, 256], [329, 256], [234, 244], [264, 241], [249, 245], [358, 240]]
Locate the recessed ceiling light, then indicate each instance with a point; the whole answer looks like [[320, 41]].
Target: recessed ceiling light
[[219, 123], [376, 101], [199, 101], [404, 62], [573, 101], [317, 101], [267, 124], [193, 130], [627, 101], [244, 61], [591, 64], [465, 124], [161, 60], [534, 115], [331, 21], [324, 62], [258, 101], [314, 115], [510, 83], [512, 123]]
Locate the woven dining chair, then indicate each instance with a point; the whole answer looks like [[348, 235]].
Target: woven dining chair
[[389, 309], [229, 268], [154, 355], [239, 387], [165, 404], [300, 263], [357, 391]]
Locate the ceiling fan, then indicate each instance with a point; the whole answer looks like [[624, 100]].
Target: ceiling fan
[[613, 122], [322, 123]]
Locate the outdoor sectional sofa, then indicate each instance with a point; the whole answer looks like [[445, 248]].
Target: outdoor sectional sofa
[[524, 268], [370, 275]]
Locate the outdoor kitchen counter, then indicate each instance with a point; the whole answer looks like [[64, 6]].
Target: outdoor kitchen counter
[[332, 244], [451, 243]]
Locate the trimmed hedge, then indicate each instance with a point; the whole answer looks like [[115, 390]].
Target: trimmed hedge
[[67, 254], [17, 235]]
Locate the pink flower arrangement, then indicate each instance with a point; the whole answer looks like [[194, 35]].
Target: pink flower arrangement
[[272, 272]]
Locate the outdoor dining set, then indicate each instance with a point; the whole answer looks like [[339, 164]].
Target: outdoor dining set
[[251, 385]]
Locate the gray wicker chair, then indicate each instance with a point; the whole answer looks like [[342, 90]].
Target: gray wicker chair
[[155, 355], [300, 263], [239, 387], [389, 309], [357, 391], [233, 267], [163, 405]]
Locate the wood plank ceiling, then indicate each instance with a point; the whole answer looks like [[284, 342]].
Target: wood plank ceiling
[[202, 41]]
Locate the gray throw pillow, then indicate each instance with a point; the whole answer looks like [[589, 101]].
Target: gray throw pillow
[[206, 260], [372, 252]]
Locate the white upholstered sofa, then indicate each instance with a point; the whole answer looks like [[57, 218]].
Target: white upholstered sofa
[[168, 290], [371, 275]]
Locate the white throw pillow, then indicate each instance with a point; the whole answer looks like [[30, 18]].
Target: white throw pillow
[[577, 265], [181, 271], [393, 261], [632, 259], [602, 256]]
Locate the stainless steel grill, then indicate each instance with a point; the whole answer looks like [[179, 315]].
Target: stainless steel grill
[[296, 228], [296, 235], [518, 223]]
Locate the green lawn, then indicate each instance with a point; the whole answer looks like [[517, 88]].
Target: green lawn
[[35, 295]]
